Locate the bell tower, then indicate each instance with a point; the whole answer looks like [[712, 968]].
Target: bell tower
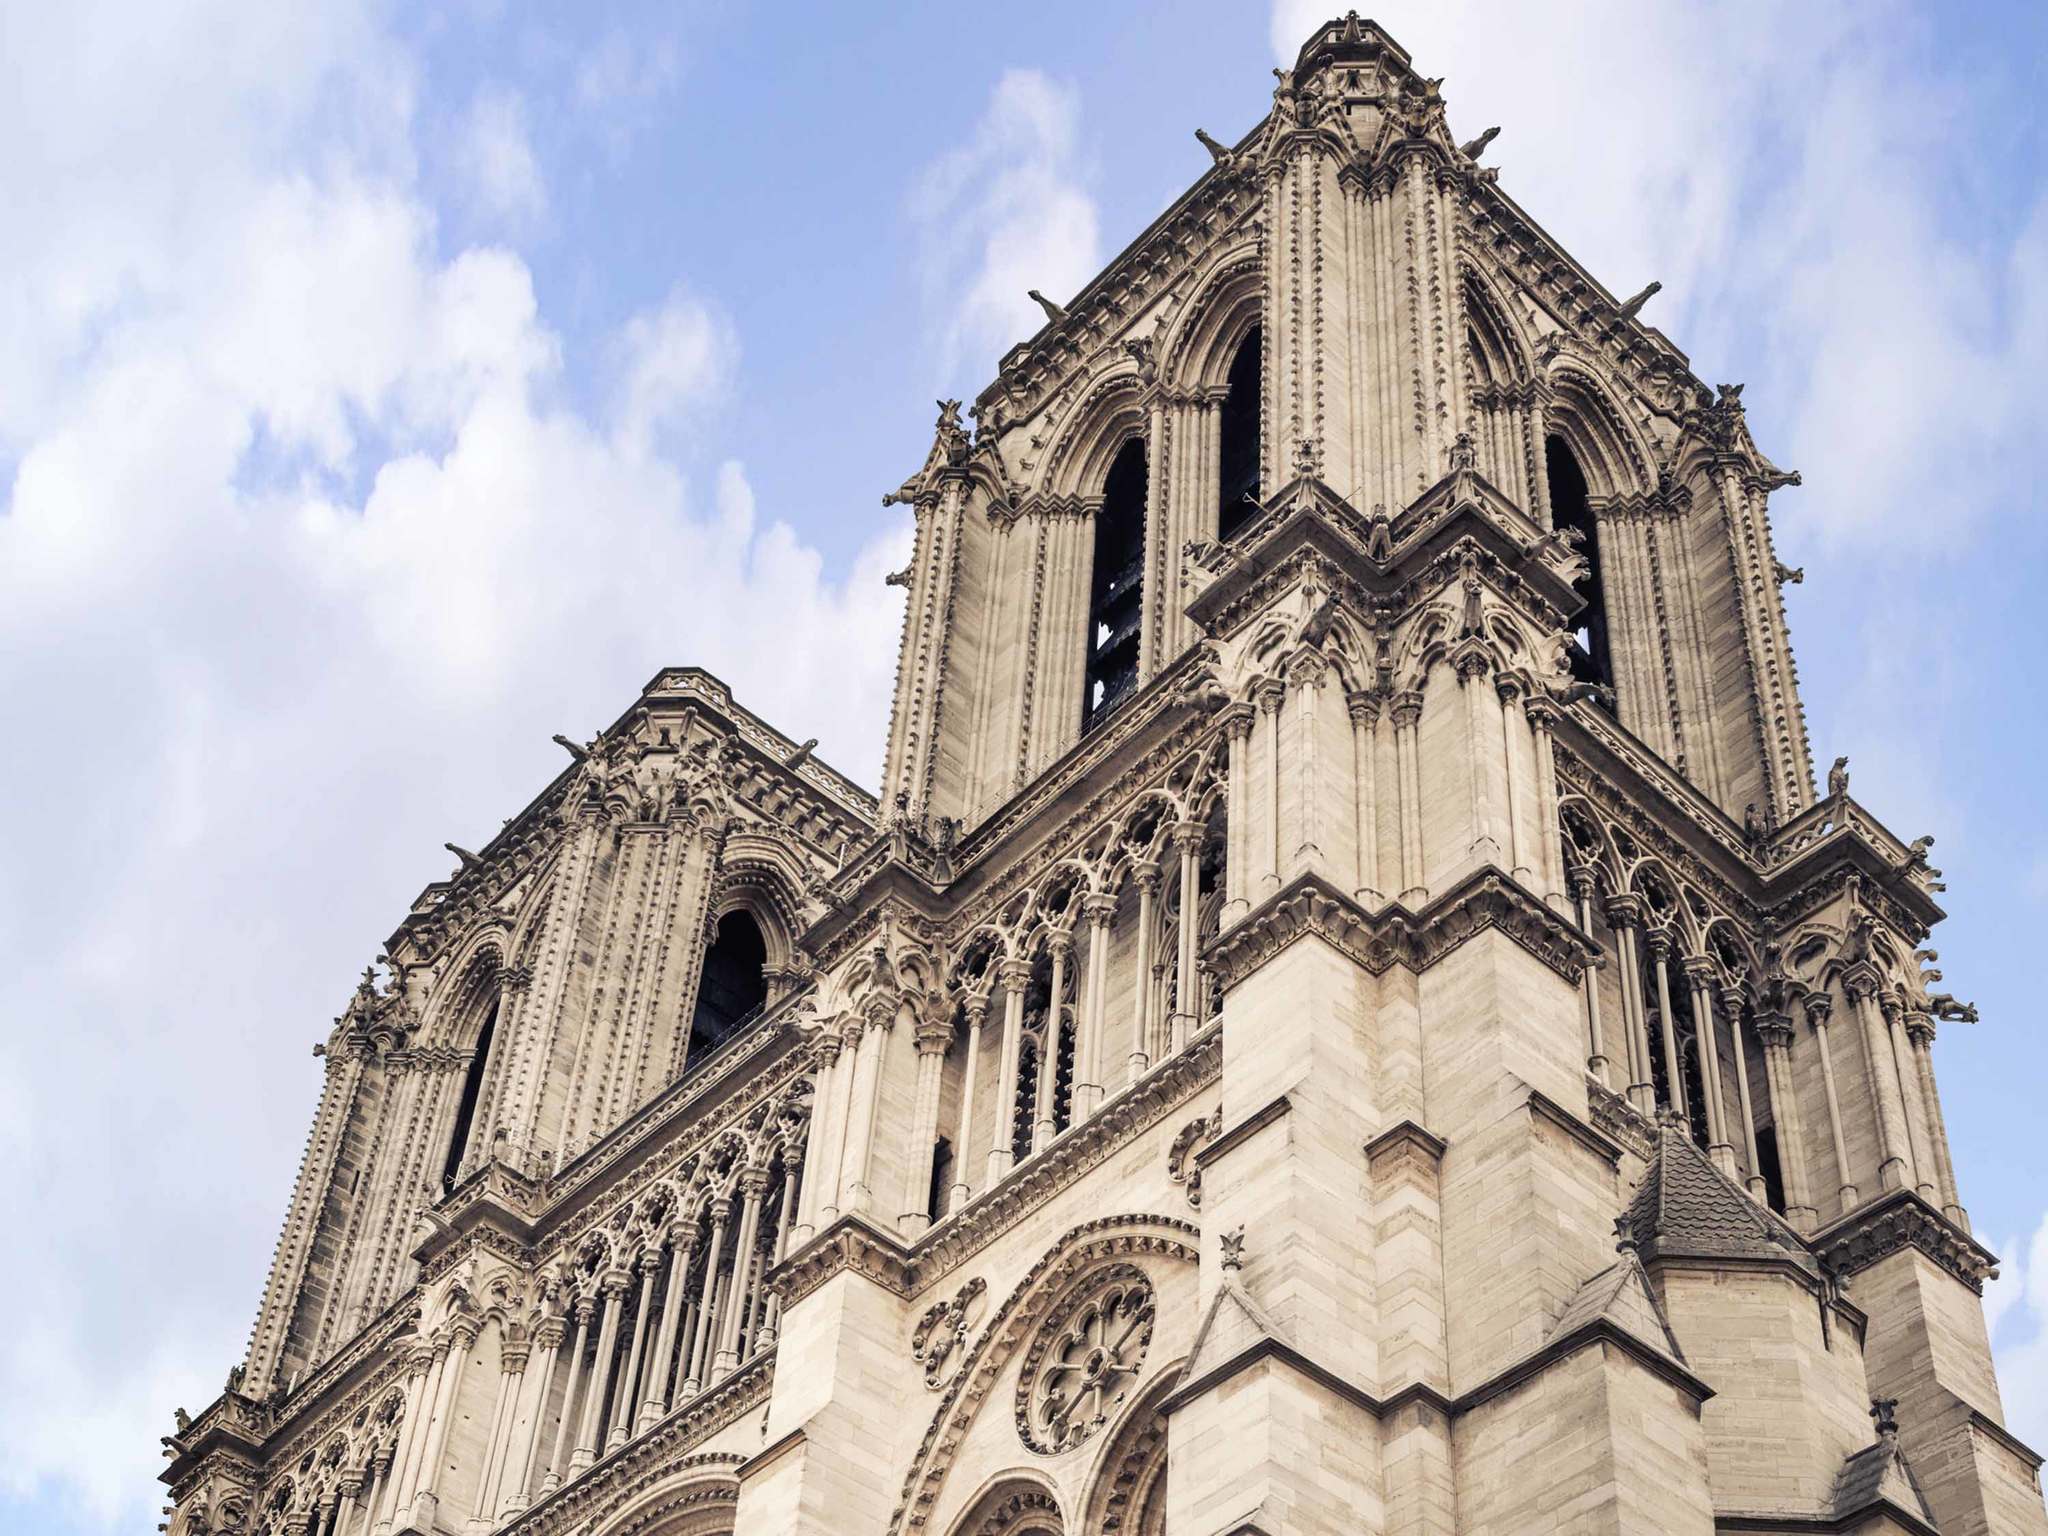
[[1350, 1013]]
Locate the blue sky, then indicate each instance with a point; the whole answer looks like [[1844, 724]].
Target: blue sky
[[382, 391]]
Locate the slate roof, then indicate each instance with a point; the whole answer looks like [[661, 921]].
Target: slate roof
[[1685, 1206]]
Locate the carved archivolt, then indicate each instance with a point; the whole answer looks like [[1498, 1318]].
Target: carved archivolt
[[1086, 1359], [1120, 1240]]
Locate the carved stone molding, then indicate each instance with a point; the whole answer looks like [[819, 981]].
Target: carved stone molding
[[849, 1244], [1897, 1221], [944, 1331], [1486, 900]]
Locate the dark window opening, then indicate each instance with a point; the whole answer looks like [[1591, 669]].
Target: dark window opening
[[1767, 1166], [1023, 1110], [1570, 508], [733, 986], [472, 1089], [942, 1178], [1238, 428], [1117, 593]]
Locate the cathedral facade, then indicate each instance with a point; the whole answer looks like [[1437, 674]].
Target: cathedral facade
[[1349, 1012]]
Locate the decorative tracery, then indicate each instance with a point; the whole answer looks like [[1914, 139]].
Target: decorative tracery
[[1086, 1359]]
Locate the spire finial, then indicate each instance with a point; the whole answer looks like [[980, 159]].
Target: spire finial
[[1624, 1233]]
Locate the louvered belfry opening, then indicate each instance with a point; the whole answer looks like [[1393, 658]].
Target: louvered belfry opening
[[1238, 469], [1571, 507], [1117, 593]]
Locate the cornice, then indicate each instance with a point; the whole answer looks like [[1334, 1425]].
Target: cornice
[[1310, 906], [852, 1244], [1894, 1222]]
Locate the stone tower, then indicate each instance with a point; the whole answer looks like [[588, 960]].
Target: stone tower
[[1347, 1016]]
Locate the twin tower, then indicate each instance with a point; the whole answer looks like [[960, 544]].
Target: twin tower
[[1348, 1013]]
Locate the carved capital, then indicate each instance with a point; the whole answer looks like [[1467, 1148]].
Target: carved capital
[[1819, 1007], [1099, 907], [1407, 708], [1269, 694], [1624, 910], [1014, 974], [1363, 705], [1237, 721], [1699, 970]]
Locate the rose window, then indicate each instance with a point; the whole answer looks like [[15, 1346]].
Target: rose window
[[1085, 1361]]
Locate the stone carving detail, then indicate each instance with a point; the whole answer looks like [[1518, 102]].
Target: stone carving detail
[[940, 1342], [1181, 1166], [1085, 1360]]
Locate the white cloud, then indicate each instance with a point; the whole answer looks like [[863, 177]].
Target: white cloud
[[302, 560], [2016, 1313], [1002, 214], [496, 159]]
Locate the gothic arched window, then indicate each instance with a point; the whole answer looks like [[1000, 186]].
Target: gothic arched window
[[1238, 429], [733, 985], [1571, 508], [472, 1090], [1117, 592]]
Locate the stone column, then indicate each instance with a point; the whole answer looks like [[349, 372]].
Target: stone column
[[753, 1183], [418, 1366], [1271, 695], [838, 1075], [622, 1396], [1044, 1109], [1407, 712], [380, 1479], [1893, 1171], [1624, 914], [1699, 975], [614, 1289], [858, 1189], [1098, 909], [1141, 992], [1818, 1007], [707, 1300], [1364, 708], [526, 1440], [1237, 722], [1540, 711], [1585, 886], [1731, 1006], [1308, 672], [1508, 687], [1920, 1035], [963, 1138], [1775, 1031], [773, 1306], [1674, 1077], [563, 1433], [511, 1368], [932, 1037], [462, 1336], [1001, 1154], [1917, 1139], [1187, 841], [654, 1401]]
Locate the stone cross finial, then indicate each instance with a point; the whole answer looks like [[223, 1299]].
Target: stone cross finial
[[1884, 1412], [1624, 1233], [1233, 1250]]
